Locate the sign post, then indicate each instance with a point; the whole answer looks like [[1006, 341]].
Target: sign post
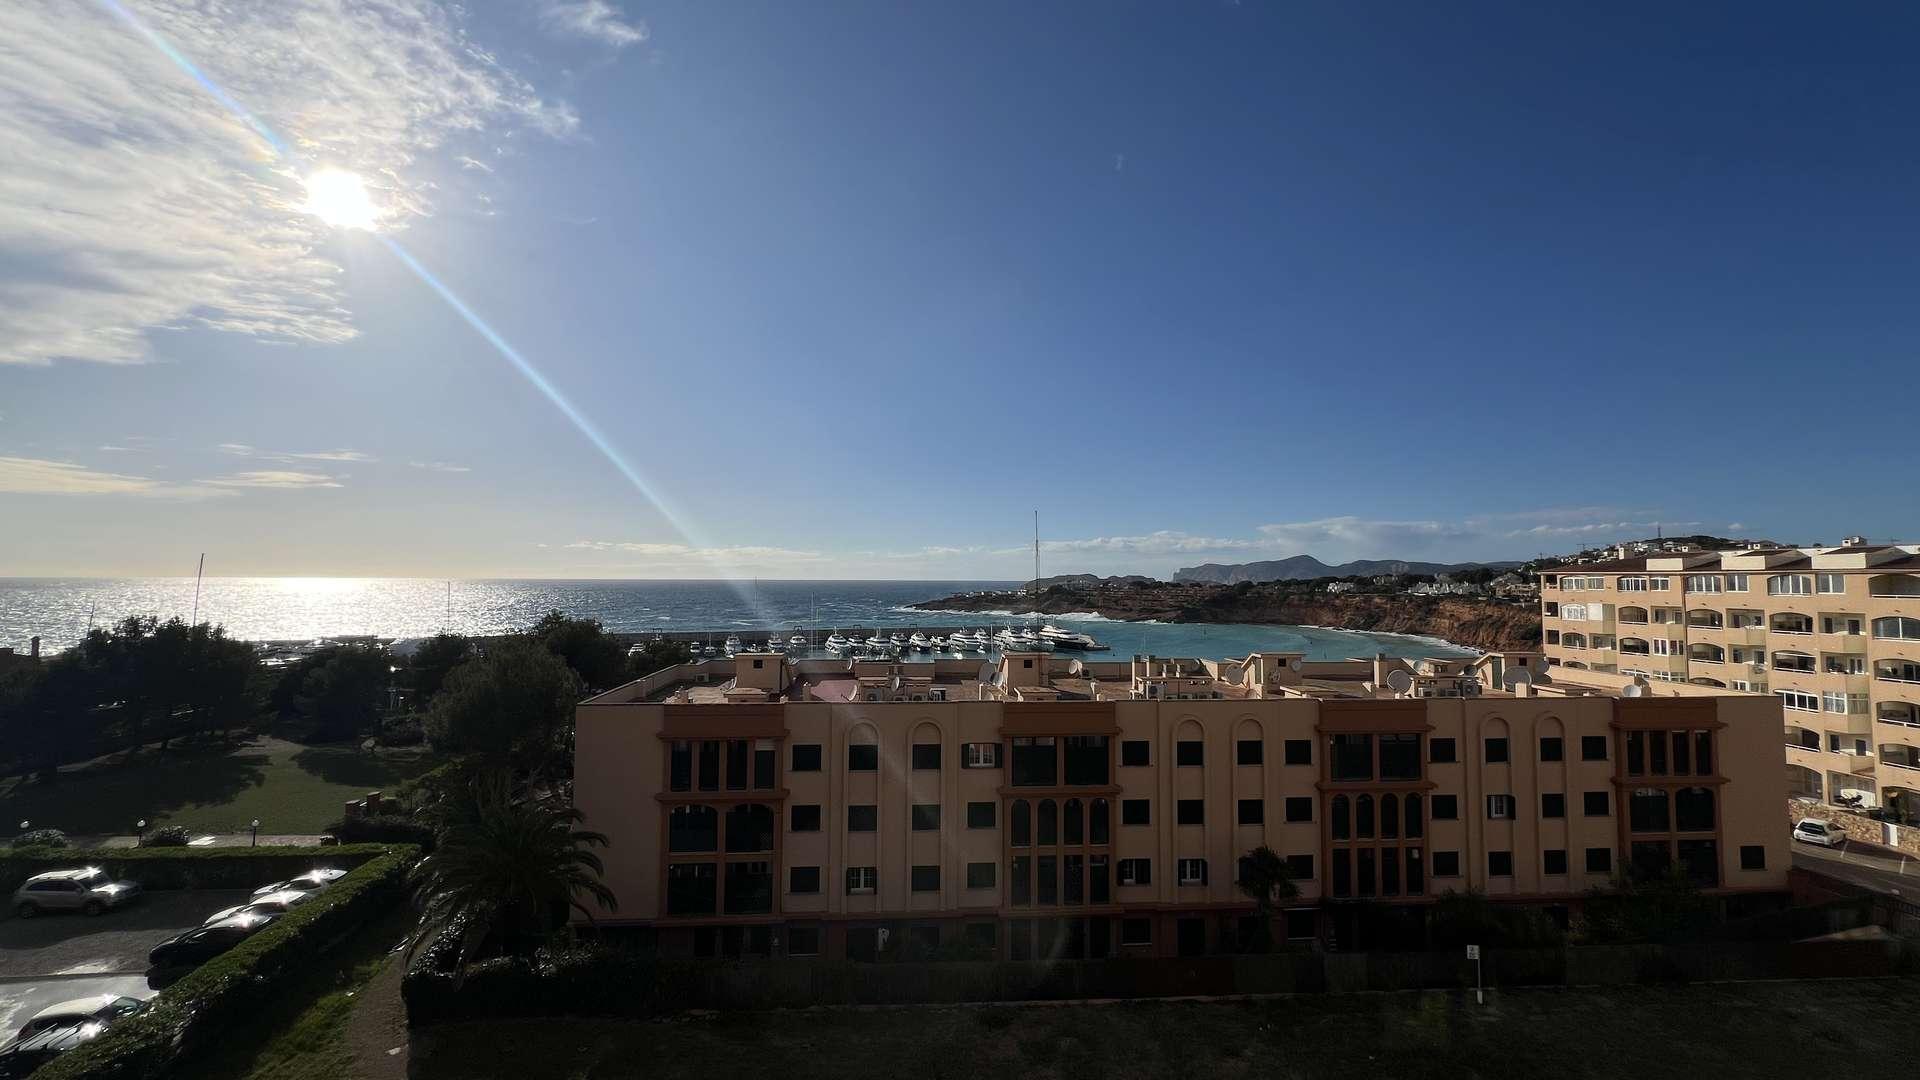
[[1479, 992]]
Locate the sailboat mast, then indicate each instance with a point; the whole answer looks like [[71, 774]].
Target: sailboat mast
[[197, 575]]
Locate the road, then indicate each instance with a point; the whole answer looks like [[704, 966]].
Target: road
[[114, 943], [20, 999], [1855, 864]]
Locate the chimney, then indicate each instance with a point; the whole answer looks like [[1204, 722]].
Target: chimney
[[33, 648], [1379, 669]]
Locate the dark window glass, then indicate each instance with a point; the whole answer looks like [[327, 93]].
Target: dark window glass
[[1440, 751], [1551, 749], [1136, 871], [1022, 879], [1299, 808], [1682, 757], [1599, 860], [1342, 872], [926, 817], [1086, 759], [1593, 748], [1693, 810], [1446, 808], [1075, 826], [804, 817], [1341, 818], [1416, 873], [1049, 884], [1446, 864], [763, 768], [1389, 871], [1300, 867], [1701, 860], [692, 888], [1352, 756], [710, 765], [1248, 752], [1022, 823], [1136, 812], [1389, 817], [1189, 752], [863, 758], [693, 828], [1035, 762], [1097, 824], [806, 757], [1299, 751], [1555, 860], [1252, 812], [1657, 753], [680, 767], [1415, 826], [1636, 753], [1047, 828], [1647, 810], [1753, 857], [926, 879], [739, 751], [1073, 880], [980, 875], [1190, 812], [1499, 864], [1400, 757], [803, 940], [1099, 880], [1594, 804], [1553, 804], [1649, 858], [1363, 818], [1364, 861], [750, 827], [862, 818], [1496, 751], [926, 756], [981, 815], [1135, 752], [1703, 753], [803, 879], [1136, 931]]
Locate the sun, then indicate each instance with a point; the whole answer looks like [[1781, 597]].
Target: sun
[[340, 199]]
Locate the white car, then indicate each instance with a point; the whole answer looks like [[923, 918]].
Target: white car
[[273, 903], [98, 1009], [318, 878], [1819, 831]]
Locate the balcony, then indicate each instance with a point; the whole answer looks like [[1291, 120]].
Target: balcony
[[1894, 587], [1705, 619], [1900, 756]]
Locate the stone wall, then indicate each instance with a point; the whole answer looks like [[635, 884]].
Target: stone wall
[[1857, 825]]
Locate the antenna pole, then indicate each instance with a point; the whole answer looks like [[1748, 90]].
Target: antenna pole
[[197, 575], [447, 626]]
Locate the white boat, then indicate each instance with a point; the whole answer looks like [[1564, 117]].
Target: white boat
[[978, 641], [896, 642], [938, 643], [1067, 639], [797, 642], [1006, 638], [876, 644], [838, 642], [733, 644], [919, 642]]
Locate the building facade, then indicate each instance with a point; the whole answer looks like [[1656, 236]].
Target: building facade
[[761, 806], [1834, 633]]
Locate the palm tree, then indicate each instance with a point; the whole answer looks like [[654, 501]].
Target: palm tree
[[508, 863], [1264, 878]]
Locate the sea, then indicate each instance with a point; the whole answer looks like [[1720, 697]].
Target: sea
[[59, 611]]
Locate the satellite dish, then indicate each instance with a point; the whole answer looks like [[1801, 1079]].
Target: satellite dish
[[1542, 678], [1075, 667], [1296, 664], [897, 682], [1399, 682], [986, 672], [1634, 690], [1517, 677]]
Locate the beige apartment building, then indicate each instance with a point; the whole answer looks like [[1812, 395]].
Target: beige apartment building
[[1044, 806], [1834, 633]]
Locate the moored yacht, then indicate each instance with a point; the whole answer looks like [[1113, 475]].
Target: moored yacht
[[797, 642], [732, 644], [1068, 639], [919, 641], [838, 642]]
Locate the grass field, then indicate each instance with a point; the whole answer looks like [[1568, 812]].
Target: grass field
[[1830, 1028], [291, 788]]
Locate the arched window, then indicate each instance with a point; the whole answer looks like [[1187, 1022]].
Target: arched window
[[1896, 626], [1076, 822], [1363, 817], [1415, 823], [1342, 827], [1389, 817], [750, 827], [693, 828], [1049, 822], [1022, 823], [1097, 823]]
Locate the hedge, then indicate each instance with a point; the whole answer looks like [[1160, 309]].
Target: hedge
[[231, 988], [384, 829], [184, 868]]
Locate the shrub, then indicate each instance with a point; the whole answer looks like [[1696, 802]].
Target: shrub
[[166, 836], [383, 829], [226, 991], [184, 868], [41, 838]]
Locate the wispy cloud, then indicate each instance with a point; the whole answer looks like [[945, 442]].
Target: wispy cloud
[[288, 457], [133, 202], [275, 478], [596, 19], [474, 163], [439, 466], [40, 476], [687, 552]]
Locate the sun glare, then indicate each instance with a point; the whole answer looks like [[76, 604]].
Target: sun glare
[[340, 199]]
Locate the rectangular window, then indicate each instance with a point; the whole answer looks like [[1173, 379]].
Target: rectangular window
[[1753, 857], [1299, 751], [980, 875], [1499, 864], [803, 879], [1136, 931], [1086, 759], [1190, 812], [1648, 810], [763, 762], [926, 756], [862, 818], [805, 817], [1553, 805], [1252, 812], [692, 888], [1021, 880], [926, 879], [803, 941], [1400, 757], [1299, 808], [738, 753], [1099, 879], [1249, 752], [1593, 748], [1446, 807], [1352, 756], [1446, 864], [1556, 861], [1830, 583], [1135, 753], [981, 815], [1189, 752], [1049, 880], [1736, 583], [980, 755], [1300, 867], [862, 879], [926, 817], [1595, 804], [1073, 879], [863, 758], [1551, 748], [1035, 761], [1342, 871], [1440, 751], [1496, 751], [710, 765], [1500, 806], [1599, 860], [1136, 871], [1135, 812], [680, 766], [1192, 871]]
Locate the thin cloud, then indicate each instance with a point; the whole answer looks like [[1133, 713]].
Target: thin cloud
[[683, 552], [275, 478], [39, 476], [594, 19], [439, 466], [288, 457], [133, 202]]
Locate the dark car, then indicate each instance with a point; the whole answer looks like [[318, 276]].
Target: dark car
[[199, 945], [59, 1028]]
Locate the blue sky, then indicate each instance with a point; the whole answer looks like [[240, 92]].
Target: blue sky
[[856, 287]]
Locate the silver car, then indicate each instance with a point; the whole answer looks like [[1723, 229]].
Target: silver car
[[87, 890]]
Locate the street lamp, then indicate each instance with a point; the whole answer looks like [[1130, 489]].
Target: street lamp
[[139, 832], [256, 833]]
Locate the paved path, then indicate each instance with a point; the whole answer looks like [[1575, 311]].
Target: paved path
[[68, 943], [1884, 873]]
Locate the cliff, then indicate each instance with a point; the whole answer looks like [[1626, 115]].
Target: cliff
[[1468, 621], [1306, 567]]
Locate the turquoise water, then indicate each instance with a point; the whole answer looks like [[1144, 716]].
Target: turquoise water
[[271, 609]]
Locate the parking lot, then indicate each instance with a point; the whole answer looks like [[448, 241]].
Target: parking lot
[[114, 943]]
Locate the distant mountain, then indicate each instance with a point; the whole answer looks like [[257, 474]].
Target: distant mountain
[[1306, 567], [1091, 580]]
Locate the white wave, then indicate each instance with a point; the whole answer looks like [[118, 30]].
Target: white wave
[[1428, 638]]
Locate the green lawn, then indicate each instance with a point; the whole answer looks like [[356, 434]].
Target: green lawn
[[291, 788], [1797, 1030]]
